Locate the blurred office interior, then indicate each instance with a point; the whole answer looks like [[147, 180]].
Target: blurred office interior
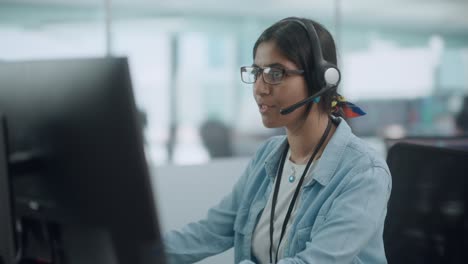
[[404, 62]]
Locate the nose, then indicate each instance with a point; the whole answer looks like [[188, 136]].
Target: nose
[[261, 88]]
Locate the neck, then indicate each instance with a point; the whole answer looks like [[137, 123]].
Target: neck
[[304, 138]]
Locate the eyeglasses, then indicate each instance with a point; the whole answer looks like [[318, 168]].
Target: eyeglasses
[[270, 75]]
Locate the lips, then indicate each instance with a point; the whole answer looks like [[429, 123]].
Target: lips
[[264, 107]]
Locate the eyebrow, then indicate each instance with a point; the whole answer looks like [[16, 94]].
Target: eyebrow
[[273, 65]]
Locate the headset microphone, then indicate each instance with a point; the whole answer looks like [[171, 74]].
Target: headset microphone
[[310, 99]]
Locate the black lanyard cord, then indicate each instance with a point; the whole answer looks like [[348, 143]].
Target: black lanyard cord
[[296, 193]]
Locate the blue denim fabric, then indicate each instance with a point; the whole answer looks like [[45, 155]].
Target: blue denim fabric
[[340, 215]]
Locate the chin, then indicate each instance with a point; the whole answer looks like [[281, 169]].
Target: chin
[[270, 123]]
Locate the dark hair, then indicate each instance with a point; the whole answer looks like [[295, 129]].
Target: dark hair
[[293, 41]]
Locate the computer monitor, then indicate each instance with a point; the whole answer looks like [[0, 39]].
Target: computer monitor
[[427, 219], [81, 190], [458, 142]]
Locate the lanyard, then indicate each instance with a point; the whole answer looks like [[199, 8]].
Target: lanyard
[[296, 193]]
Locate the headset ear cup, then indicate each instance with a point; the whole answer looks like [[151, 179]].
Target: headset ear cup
[[332, 76], [328, 73]]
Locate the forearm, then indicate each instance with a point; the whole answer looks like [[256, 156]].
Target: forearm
[[207, 237], [195, 242]]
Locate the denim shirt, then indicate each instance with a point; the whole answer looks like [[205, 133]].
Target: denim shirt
[[340, 215]]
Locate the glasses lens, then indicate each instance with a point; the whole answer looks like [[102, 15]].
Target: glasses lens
[[273, 75], [249, 74]]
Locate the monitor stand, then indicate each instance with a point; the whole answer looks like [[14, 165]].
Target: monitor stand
[[7, 237]]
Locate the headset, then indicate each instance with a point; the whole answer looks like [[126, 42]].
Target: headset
[[327, 74]]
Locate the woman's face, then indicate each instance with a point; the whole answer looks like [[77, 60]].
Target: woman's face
[[272, 98]]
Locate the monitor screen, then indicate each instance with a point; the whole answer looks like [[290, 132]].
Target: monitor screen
[[459, 142], [427, 212], [81, 188]]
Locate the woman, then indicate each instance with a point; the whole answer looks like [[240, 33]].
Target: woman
[[316, 195]]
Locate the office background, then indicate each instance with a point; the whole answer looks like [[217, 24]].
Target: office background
[[405, 62]]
